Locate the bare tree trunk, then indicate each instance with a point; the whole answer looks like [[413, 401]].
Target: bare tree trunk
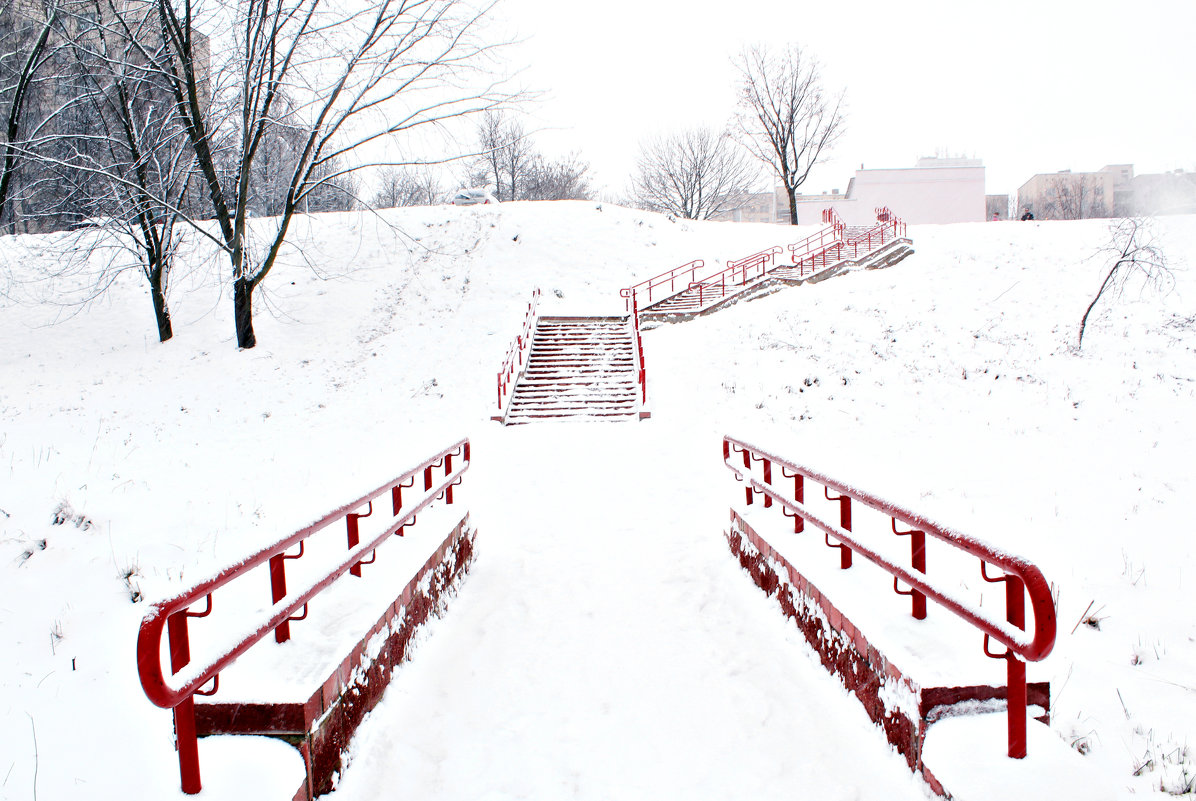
[[161, 312], [243, 312], [1104, 285], [16, 110], [791, 192]]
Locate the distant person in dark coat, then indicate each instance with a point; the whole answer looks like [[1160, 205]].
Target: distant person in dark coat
[[1027, 215]]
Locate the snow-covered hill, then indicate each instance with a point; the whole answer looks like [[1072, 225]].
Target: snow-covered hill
[[950, 381]]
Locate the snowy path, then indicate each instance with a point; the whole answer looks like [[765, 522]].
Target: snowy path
[[607, 646]]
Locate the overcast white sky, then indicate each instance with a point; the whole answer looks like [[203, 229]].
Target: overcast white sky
[[1026, 86]]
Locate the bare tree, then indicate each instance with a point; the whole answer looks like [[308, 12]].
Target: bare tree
[[509, 161], [1074, 196], [132, 161], [695, 174], [25, 39], [353, 79], [563, 179], [407, 187], [1136, 255], [505, 155], [788, 121]]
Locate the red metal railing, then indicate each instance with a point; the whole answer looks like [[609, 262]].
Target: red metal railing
[[185, 680], [512, 365], [1019, 575], [736, 273], [884, 232], [659, 287], [817, 242], [642, 373], [820, 260], [815, 250]]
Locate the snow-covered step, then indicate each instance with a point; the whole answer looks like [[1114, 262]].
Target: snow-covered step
[[577, 368]]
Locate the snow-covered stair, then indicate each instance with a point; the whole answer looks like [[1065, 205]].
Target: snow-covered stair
[[861, 245], [692, 300], [578, 367]]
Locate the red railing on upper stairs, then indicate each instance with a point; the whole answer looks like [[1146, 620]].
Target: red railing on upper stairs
[[176, 690], [1020, 576], [515, 361], [817, 247], [816, 250], [736, 273], [661, 286]]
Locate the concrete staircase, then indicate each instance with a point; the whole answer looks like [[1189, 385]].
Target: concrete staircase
[[578, 368], [853, 250], [691, 301]]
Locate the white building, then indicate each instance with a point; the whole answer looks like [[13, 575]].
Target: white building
[[936, 190]]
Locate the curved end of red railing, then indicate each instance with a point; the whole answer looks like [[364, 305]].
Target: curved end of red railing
[[149, 659], [1042, 605]]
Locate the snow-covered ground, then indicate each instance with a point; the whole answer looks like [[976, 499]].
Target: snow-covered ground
[[950, 382]]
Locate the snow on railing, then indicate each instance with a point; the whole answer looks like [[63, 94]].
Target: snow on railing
[[1019, 575], [515, 361], [736, 273], [653, 289], [186, 680]]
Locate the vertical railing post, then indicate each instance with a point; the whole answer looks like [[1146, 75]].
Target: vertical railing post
[[917, 548], [767, 480], [1015, 613], [185, 739], [844, 523], [354, 537], [448, 470], [747, 465], [918, 559], [278, 591], [799, 495]]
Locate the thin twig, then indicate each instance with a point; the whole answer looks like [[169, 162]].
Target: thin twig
[[35, 757], [1081, 620], [1124, 708]]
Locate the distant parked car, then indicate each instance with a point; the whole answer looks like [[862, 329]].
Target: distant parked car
[[473, 197]]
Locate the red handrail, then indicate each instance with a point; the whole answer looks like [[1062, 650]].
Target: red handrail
[[671, 277], [507, 374], [642, 374], [876, 236], [186, 680], [1020, 576], [817, 243], [736, 273]]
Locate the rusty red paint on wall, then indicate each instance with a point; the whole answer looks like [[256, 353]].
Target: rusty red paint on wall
[[845, 651], [322, 726]]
